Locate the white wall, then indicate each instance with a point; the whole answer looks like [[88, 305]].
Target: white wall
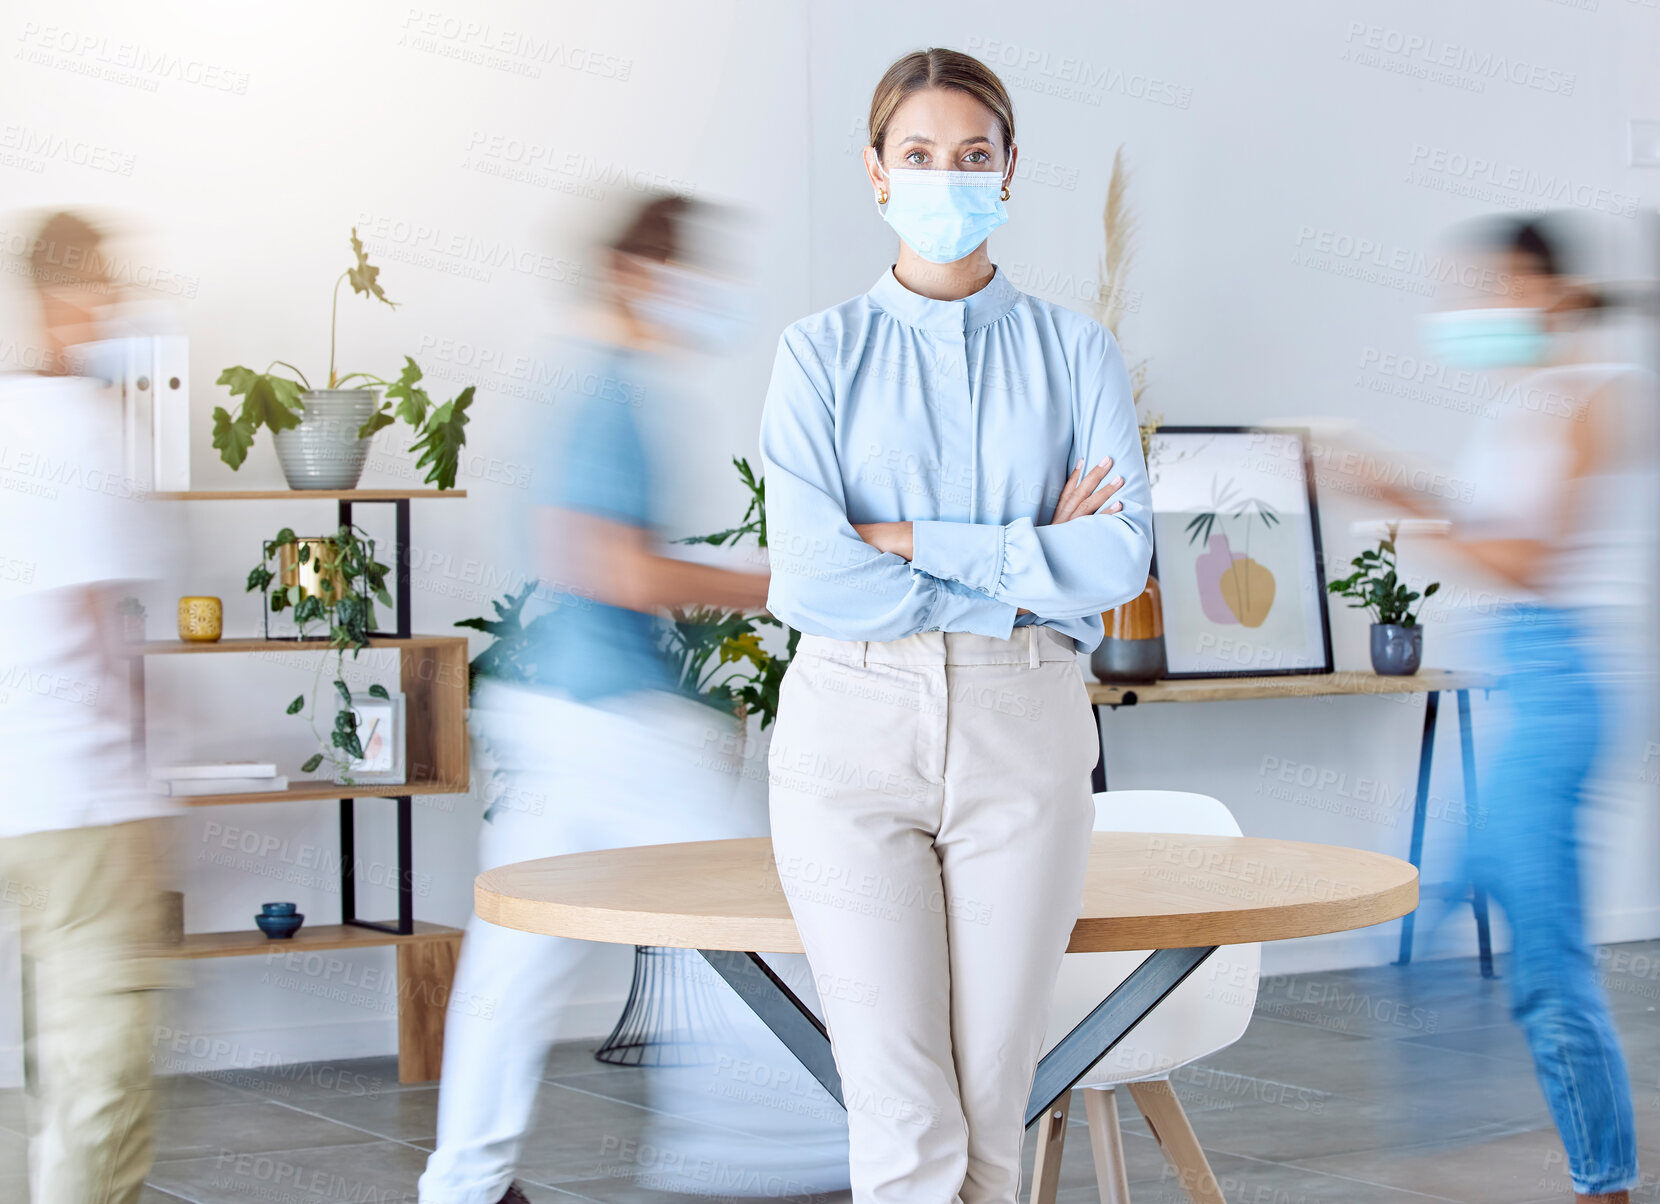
[[1255, 138]]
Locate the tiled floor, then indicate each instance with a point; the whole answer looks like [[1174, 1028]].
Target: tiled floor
[[1384, 1084]]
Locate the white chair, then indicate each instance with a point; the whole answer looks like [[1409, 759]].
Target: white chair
[[1207, 1012]]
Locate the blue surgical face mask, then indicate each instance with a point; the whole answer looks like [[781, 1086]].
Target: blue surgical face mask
[[694, 308], [943, 215], [1487, 337]]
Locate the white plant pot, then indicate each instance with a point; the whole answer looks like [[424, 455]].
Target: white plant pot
[[324, 451]]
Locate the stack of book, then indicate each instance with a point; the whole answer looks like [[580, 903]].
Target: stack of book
[[217, 777]]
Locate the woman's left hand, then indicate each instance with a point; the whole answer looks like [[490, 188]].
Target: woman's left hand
[[1084, 494], [887, 537]]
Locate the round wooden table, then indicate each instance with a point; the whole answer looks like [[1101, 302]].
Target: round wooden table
[[1179, 896]]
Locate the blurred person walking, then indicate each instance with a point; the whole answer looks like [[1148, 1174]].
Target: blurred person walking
[[598, 751], [1559, 509], [78, 834]]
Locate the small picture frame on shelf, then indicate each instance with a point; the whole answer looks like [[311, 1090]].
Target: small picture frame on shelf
[[381, 732]]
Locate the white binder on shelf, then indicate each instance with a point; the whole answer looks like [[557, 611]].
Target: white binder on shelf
[[152, 375]]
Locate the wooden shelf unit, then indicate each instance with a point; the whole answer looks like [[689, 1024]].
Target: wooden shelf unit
[[433, 677], [247, 942], [254, 643], [317, 789], [426, 968], [288, 495]]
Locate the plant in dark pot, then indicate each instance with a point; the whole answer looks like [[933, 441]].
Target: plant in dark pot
[[322, 435], [334, 581], [1397, 636]]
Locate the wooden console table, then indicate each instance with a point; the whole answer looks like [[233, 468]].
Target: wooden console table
[[1431, 683]]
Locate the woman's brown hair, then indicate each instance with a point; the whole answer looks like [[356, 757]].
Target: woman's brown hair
[[938, 69], [657, 228]]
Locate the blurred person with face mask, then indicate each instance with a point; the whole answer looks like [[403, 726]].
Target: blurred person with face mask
[[598, 750], [1558, 505], [78, 833]]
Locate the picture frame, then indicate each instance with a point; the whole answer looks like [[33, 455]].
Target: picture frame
[[382, 732], [1258, 610]]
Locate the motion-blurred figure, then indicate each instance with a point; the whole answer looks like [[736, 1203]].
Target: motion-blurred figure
[[1560, 501], [598, 751], [78, 838]]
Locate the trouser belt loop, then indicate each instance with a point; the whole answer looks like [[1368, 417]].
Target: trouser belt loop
[[864, 654], [1032, 645]]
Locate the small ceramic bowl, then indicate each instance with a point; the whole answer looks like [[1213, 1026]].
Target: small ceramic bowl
[[279, 927], [279, 909]]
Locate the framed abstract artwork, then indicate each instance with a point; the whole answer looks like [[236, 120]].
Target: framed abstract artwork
[[1236, 550]]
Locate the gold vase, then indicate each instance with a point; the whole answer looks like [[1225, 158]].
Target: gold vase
[[201, 619], [319, 576]]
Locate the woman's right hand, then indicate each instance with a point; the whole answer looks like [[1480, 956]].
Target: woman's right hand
[[1081, 496]]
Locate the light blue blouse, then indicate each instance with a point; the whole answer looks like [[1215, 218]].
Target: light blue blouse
[[963, 417]]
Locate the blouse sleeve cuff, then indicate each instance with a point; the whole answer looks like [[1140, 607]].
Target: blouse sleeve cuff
[[958, 608], [971, 553]]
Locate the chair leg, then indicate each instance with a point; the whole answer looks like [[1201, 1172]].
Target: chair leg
[[1106, 1142], [1158, 1103], [1051, 1141]]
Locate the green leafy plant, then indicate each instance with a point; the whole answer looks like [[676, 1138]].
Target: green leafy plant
[[349, 583], [719, 654], [511, 655], [1376, 587], [754, 521], [273, 401]]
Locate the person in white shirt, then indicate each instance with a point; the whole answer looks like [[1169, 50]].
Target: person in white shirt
[[78, 839]]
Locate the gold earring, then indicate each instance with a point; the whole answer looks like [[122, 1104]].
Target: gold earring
[[882, 197], [1005, 192]]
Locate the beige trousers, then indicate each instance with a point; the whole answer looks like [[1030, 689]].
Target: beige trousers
[[931, 812], [87, 901]]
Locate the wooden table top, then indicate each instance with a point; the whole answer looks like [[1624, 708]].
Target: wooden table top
[[1143, 891], [1289, 685]]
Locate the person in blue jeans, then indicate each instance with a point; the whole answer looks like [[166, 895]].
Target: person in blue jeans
[[1524, 851], [1555, 495]]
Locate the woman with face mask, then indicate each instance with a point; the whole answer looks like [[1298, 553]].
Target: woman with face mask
[[955, 492], [1553, 500]]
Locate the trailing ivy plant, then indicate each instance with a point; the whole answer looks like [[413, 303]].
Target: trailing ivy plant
[[1375, 586], [273, 401], [346, 611]]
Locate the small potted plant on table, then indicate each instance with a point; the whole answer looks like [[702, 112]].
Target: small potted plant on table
[[1397, 636]]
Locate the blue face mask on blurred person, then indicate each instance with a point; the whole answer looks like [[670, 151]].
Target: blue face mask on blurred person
[[1484, 338], [943, 215], [693, 308]]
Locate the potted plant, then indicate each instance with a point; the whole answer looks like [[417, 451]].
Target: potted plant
[[322, 435], [334, 580], [1397, 637]]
